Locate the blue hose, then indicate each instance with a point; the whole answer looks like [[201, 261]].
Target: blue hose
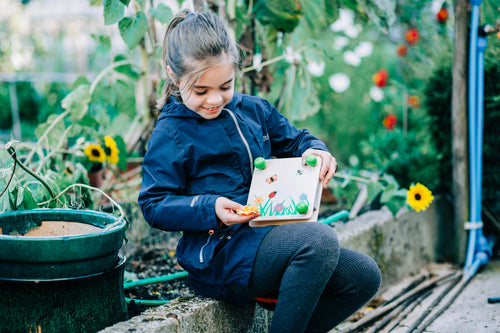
[[340, 215], [479, 249]]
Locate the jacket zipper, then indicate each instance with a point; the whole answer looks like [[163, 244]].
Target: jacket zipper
[[210, 234], [243, 139]]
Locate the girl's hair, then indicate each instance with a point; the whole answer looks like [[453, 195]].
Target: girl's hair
[[193, 43]]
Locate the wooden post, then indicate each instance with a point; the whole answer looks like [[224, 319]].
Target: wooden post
[[460, 187]]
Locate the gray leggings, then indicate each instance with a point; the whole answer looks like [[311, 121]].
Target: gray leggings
[[317, 283]]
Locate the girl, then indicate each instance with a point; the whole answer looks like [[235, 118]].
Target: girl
[[197, 173]]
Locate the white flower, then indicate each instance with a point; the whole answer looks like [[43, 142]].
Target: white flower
[[345, 23], [345, 20], [340, 42], [352, 58], [291, 56], [376, 94], [364, 49], [339, 82], [316, 69], [256, 61], [353, 31]]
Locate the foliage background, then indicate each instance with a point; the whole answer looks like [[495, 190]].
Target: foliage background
[[113, 47]]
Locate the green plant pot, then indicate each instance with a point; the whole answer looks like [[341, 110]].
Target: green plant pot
[[58, 243], [61, 271]]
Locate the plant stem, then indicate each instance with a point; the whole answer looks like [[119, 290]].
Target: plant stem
[[12, 151], [44, 135], [108, 69], [356, 178]]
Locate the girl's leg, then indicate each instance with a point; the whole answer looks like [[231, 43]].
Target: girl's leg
[[317, 281], [354, 282], [297, 260]]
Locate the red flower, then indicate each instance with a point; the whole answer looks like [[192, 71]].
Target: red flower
[[412, 36], [414, 101], [390, 121], [380, 78], [442, 15], [402, 50]]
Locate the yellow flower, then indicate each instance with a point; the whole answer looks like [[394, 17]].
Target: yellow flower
[[247, 210], [95, 153], [419, 197], [111, 150], [258, 200]]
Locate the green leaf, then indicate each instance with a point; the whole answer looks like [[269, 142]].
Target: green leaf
[[125, 69], [88, 121], [81, 80], [125, 98], [388, 193], [390, 180], [395, 204], [373, 189], [125, 2], [103, 40], [283, 15], [331, 10], [300, 99], [55, 135], [113, 11], [77, 101], [122, 155], [132, 30], [162, 13], [28, 201], [380, 12]]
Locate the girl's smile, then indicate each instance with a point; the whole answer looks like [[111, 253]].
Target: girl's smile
[[212, 91]]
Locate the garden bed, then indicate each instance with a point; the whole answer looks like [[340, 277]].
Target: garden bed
[[153, 256]]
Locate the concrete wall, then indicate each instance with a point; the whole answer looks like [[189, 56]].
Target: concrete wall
[[401, 246]]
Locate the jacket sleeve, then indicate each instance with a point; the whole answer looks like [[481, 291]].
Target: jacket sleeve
[[285, 138], [162, 197]]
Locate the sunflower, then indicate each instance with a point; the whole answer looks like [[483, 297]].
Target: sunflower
[[95, 153], [419, 197], [111, 150]]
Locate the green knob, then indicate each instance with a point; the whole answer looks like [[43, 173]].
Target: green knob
[[302, 207], [260, 163], [311, 160]]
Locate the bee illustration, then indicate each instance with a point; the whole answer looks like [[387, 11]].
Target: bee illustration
[[272, 194], [300, 172], [271, 179]]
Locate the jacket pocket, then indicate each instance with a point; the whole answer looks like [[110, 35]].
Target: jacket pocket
[[196, 250]]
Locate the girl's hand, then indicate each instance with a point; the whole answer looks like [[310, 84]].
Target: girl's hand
[[225, 210], [328, 164]]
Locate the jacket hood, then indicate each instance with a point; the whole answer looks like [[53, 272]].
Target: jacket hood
[[175, 108]]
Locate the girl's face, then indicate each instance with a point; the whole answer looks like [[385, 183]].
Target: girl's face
[[211, 92]]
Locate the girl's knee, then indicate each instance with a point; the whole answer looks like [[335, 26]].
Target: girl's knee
[[372, 277]]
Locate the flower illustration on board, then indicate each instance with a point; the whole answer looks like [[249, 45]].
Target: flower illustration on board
[[419, 197], [279, 208], [258, 200], [303, 197]]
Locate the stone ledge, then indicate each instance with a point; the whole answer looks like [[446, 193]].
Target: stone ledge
[[401, 246]]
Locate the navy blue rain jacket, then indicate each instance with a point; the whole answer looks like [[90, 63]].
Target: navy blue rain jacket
[[190, 162]]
